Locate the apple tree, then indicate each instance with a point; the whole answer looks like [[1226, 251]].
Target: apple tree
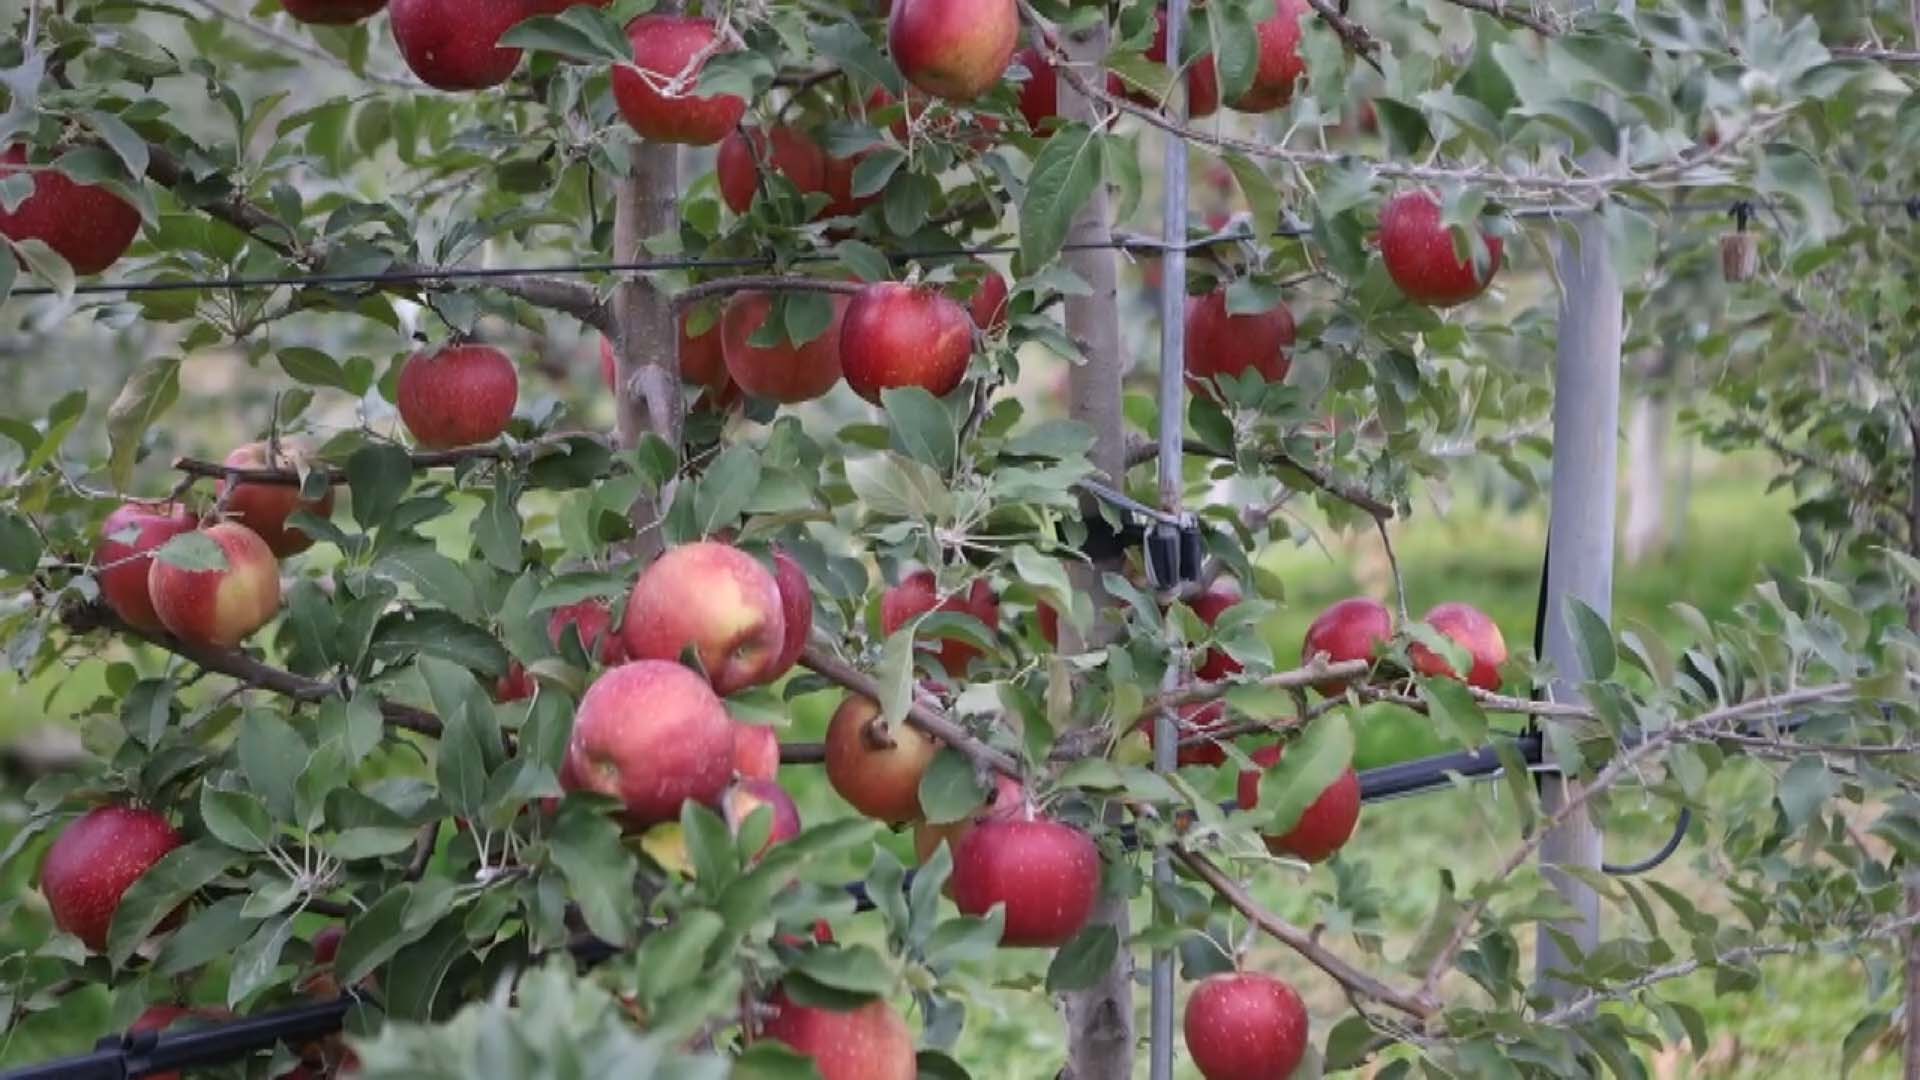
[[475, 562]]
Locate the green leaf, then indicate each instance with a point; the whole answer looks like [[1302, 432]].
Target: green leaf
[[1082, 962], [1592, 639], [399, 918], [1805, 788], [438, 633], [921, 427], [497, 531], [213, 931], [895, 674], [1404, 126], [378, 475], [854, 969], [950, 789], [414, 978], [581, 32], [1454, 709], [1310, 765], [315, 368], [1064, 175], [848, 46], [725, 489], [437, 579], [1236, 49], [255, 960], [236, 819], [46, 264], [599, 869], [672, 959], [19, 543], [150, 391], [272, 755], [194, 551], [1263, 199], [160, 891], [716, 860]]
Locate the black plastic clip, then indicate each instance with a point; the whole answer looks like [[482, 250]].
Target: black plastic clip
[[1175, 547]]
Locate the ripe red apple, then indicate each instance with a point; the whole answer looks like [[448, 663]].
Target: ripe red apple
[[515, 685], [898, 335], [1471, 628], [988, 304], [785, 373], [656, 93], [219, 607], [454, 44], [331, 12], [1418, 251], [1325, 826], [1281, 65], [1203, 83], [715, 599], [756, 751], [1049, 621], [1198, 718], [85, 224], [871, 1042], [457, 396], [1040, 94], [953, 49], [128, 534], [746, 796], [95, 860], [1006, 802], [265, 507], [1216, 664], [1223, 344], [1347, 630], [839, 187], [701, 361], [796, 610], [653, 735], [1046, 873], [791, 154], [593, 621], [919, 592], [874, 765], [1245, 1026]]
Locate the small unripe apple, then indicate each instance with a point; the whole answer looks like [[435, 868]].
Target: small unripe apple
[[784, 373], [656, 93], [746, 796], [265, 507], [1215, 664], [87, 225], [1475, 632], [953, 49], [331, 12], [460, 395], [1040, 94], [1195, 719], [1281, 65], [871, 1042], [1418, 251], [1047, 873], [787, 152], [1347, 630], [652, 734], [1223, 344], [715, 599], [874, 765], [1245, 1026], [897, 335], [919, 593], [796, 610], [756, 751], [93, 862], [219, 607], [1324, 827], [1203, 82], [455, 44], [127, 537]]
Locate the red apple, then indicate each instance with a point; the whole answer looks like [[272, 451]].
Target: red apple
[[515, 685], [792, 155], [331, 12], [871, 1042], [918, 593], [457, 396], [1418, 251], [1471, 628], [1203, 84], [454, 44], [988, 305], [1245, 1026], [756, 751], [1046, 873], [898, 335], [1281, 65], [785, 373], [953, 49], [718, 601], [1325, 826], [656, 93], [85, 224], [653, 735], [1216, 664], [126, 537], [593, 621], [701, 361], [746, 796], [1049, 621], [1198, 718], [1006, 802], [1223, 344], [839, 187], [796, 610], [1040, 94], [219, 607], [1347, 630], [321, 984], [874, 765], [95, 860], [265, 507]]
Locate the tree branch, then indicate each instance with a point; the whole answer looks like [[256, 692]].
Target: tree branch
[[1357, 39], [1528, 16], [1316, 670], [1141, 452], [531, 450], [920, 715]]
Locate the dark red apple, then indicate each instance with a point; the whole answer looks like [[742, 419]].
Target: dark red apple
[[785, 373], [1418, 251], [515, 685], [791, 154], [85, 224], [874, 765], [1047, 873], [455, 44], [456, 396], [1348, 630], [1006, 802], [746, 796], [656, 93], [593, 621], [1281, 65], [1222, 344], [1216, 664], [756, 751], [1471, 628], [897, 335], [701, 362], [653, 735], [1040, 94], [871, 1042], [1196, 719], [265, 507], [988, 304], [219, 607], [953, 49], [1049, 621], [331, 12], [1325, 826], [1245, 1026], [1203, 83], [796, 610], [122, 557], [919, 593], [715, 599], [93, 862]]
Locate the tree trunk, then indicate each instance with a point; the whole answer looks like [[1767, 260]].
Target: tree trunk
[[1912, 1007], [646, 337], [1100, 1031]]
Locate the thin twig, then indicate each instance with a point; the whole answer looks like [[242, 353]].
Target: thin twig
[[530, 450]]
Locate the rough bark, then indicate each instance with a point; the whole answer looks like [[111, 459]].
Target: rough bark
[[645, 337]]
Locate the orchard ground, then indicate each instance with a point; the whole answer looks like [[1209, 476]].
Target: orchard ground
[[1482, 551]]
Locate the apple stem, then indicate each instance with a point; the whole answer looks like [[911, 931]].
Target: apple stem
[[877, 735]]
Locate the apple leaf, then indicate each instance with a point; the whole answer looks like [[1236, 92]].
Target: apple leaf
[[19, 543], [378, 475], [725, 489], [1064, 175], [581, 32], [1236, 49], [194, 551], [921, 427], [851, 969], [1263, 199], [160, 891], [1082, 962], [1454, 710], [235, 818], [1310, 765], [1592, 639], [256, 958], [950, 789], [895, 674], [149, 392], [849, 47], [587, 849]]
